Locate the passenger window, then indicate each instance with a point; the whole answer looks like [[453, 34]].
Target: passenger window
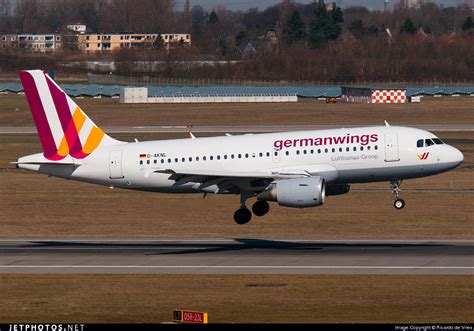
[[429, 142], [297, 152], [240, 156], [419, 143], [190, 159], [147, 161], [355, 149], [340, 149], [246, 155], [268, 154], [211, 157], [361, 148], [169, 160], [319, 151], [141, 162], [368, 148], [304, 151], [333, 150], [183, 159], [225, 157], [204, 158], [312, 151], [276, 153], [218, 157], [325, 150], [232, 156], [347, 149], [376, 147], [197, 158], [176, 160], [162, 160], [438, 141], [287, 153], [156, 161], [260, 154]]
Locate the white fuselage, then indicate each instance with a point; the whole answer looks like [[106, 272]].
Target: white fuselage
[[355, 155]]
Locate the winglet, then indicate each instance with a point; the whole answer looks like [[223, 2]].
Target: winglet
[[191, 135], [386, 123]]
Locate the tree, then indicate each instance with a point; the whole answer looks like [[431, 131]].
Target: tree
[[223, 48], [317, 35], [294, 29], [187, 17], [408, 27], [239, 37], [198, 19], [336, 19], [213, 17], [468, 24], [372, 30], [357, 28], [325, 25]]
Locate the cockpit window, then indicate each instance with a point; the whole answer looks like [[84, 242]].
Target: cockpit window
[[438, 141], [419, 143], [429, 142]]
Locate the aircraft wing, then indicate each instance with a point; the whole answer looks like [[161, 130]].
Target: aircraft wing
[[228, 181], [236, 181], [237, 174], [328, 172]]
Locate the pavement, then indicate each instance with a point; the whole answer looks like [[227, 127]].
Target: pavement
[[237, 256], [235, 128]]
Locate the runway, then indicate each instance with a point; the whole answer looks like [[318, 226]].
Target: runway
[[235, 128], [238, 256]]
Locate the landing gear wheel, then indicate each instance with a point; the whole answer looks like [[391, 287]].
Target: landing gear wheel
[[260, 208], [399, 203], [242, 216]]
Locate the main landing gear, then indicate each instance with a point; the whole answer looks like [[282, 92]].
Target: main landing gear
[[395, 185], [243, 215]]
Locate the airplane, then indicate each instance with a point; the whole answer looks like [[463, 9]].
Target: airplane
[[295, 169]]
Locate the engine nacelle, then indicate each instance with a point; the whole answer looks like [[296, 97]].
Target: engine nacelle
[[297, 193]]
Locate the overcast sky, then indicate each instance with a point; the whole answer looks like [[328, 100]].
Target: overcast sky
[[262, 4]]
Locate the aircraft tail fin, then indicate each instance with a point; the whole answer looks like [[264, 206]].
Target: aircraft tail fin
[[64, 129]]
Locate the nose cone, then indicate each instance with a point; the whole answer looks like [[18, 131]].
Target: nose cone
[[456, 157]]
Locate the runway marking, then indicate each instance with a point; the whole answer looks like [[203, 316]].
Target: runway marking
[[231, 267]]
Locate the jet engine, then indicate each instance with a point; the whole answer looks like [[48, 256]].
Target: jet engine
[[297, 193]]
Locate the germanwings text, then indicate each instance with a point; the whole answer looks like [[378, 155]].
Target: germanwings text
[[347, 139]]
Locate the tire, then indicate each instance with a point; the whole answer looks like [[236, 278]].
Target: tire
[[260, 208], [399, 203], [242, 216]]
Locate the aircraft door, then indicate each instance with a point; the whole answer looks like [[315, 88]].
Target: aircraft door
[[391, 147], [115, 164]]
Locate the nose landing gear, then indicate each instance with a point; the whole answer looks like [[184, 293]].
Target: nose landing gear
[[395, 185]]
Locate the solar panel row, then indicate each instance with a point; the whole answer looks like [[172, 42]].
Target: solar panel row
[[91, 90]]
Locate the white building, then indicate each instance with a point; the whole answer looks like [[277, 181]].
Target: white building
[[80, 28]]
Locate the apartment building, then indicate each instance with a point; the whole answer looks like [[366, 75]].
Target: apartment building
[[40, 43], [113, 41]]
